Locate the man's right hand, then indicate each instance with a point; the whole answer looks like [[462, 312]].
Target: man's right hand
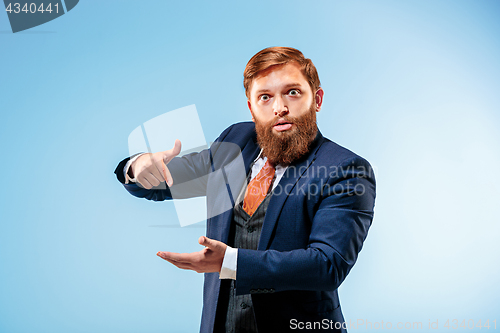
[[150, 170]]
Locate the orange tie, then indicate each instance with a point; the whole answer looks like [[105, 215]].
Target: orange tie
[[257, 189]]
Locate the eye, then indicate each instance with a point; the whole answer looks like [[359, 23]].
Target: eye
[[294, 92], [264, 98]]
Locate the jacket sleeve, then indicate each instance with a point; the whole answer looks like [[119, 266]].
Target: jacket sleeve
[[339, 227], [191, 169]]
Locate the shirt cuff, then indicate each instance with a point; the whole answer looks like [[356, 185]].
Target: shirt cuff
[[228, 270], [125, 168]]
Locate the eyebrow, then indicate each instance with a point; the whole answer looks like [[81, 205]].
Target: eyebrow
[[288, 86]]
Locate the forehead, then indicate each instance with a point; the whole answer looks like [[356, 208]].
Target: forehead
[[278, 76]]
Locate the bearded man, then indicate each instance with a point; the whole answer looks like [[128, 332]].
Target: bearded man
[[274, 260]]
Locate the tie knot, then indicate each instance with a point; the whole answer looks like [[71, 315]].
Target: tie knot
[[268, 168]]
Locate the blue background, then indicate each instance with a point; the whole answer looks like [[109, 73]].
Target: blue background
[[410, 85]]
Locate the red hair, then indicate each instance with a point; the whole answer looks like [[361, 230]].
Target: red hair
[[277, 56]]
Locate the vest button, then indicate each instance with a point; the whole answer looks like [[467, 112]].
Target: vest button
[[244, 305], [250, 229]]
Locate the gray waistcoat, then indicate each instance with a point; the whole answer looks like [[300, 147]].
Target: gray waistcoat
[[240, 316]]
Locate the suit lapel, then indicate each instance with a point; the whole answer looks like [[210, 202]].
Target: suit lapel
[[286, 186], [250, 153]]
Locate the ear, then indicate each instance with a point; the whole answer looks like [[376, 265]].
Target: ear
[[319, 98], [250, 108]]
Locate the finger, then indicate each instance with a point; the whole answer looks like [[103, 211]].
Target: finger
[[163, 172], [211, 243], [168, 176], [171, 153], [152, 179], [181, 265], [144, 182], [180, 257]]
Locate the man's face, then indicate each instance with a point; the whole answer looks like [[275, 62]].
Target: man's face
[[281, 90], [284, 108]]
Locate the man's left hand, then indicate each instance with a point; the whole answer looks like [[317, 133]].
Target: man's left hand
[[208, 260]]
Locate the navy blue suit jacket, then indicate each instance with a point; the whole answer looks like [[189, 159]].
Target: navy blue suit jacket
[[314, 228]]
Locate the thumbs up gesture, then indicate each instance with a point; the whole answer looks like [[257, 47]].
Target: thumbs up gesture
[[151, 169]]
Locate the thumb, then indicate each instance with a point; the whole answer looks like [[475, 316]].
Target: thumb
[[210, 243], [171, 153]]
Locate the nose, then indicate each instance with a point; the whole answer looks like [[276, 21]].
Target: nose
[[279, 107]]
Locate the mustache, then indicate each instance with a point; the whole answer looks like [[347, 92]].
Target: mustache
[[287, 119]]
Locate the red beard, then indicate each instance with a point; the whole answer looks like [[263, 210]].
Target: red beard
[[285, 147]]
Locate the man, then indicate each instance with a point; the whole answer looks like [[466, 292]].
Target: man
[[274, 260]]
